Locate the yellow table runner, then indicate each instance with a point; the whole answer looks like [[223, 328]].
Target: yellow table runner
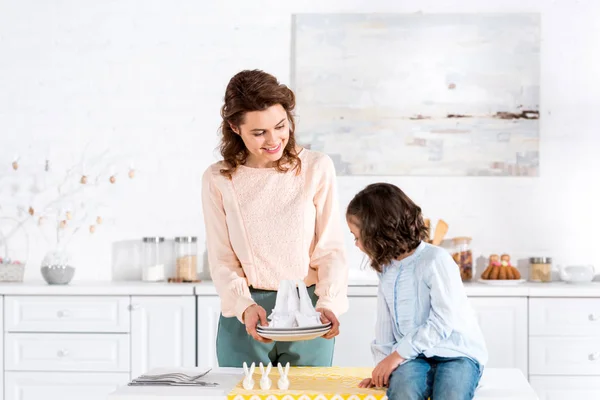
[[312, 383]]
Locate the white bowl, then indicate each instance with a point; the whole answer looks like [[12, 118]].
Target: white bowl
[[577, 274]]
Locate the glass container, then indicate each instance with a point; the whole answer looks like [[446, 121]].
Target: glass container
[[540, 269], [463, 256], [153, 266], [186, 258]]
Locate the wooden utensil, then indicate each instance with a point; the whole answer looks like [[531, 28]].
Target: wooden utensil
[[440, 231]]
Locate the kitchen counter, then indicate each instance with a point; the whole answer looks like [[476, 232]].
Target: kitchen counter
[[473, 289], [358, 288], [97, 288], [496, 383]]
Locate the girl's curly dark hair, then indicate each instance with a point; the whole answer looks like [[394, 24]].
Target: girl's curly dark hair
[[390, 223]]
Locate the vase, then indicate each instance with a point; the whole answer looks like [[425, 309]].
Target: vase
[[56, 267]]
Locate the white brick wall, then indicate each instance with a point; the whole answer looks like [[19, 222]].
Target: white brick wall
[[141, 75]]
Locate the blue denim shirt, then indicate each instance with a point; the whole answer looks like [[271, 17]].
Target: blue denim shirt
[[422, 309]]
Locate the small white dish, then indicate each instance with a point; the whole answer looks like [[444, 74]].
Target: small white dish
[[501, 282], [577, 274]]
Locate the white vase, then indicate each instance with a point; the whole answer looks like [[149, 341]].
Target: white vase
[[56, 267]]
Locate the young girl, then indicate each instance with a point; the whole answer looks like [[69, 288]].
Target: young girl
[[427, 340]]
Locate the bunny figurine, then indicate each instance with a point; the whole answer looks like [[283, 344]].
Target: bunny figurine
[[248, 381], [283, 383], [265, 381]]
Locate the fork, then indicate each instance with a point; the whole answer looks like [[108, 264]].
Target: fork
[[174, 375]]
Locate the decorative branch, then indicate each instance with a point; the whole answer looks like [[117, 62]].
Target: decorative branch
[[67, 204]]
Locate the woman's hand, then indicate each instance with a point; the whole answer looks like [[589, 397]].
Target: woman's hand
[[252, 316], [365, 383], [328, 316], [383, 370]]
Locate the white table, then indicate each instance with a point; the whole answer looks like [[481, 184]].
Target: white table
[[496, 384]]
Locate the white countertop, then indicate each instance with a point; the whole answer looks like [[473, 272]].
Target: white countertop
[[98, 288], [473, 289], [356, 288], [503, 383]]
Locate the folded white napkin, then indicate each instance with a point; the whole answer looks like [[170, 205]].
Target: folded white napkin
[[293, 308]]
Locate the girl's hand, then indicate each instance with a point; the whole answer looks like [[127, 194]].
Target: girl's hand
[[365, 383], [252, 316], [383, 370], [328, 316]]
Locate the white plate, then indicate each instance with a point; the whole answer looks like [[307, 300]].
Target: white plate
[[295, 329], [501, 282], [278, 337], [294, 332]]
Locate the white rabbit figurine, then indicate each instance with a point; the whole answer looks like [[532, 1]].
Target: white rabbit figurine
[[248, 381], [283, 383], [265, 381]]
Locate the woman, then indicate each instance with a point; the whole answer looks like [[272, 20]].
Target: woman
[[271, 213]]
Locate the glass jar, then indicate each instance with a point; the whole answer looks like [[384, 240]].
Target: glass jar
[[463, 256], [186, 259], [153, 266], [540, 269]]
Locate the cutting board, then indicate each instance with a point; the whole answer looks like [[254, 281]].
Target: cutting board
[[313, 383]]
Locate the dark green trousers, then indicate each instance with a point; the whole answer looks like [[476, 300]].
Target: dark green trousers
[[234, 345]]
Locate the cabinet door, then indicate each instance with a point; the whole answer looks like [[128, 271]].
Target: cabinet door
[[357, 331], [2, 345], [503, 321], [566, 387], [163, 333], [62, 385], [209, 310]]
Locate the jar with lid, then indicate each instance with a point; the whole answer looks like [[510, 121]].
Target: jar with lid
[[186, 258], [540, 269], [463, 256], [153, 265]]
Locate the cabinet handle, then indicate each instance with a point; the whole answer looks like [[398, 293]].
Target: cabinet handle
[[134, 307], [594, 356], [62, 353], [593, 317], [63, 314]]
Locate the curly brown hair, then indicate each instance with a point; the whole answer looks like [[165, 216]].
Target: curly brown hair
[[254, 90], [389, 222]]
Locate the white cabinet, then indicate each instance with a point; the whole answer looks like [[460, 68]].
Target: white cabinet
[[67, 352], [503, 321], [566, 387], [163, 332], [67, 314], [2, 346], [74, 347], [209, 310], [86, 338], [357, 331], [62, 386], [564, 317], [564, 347]]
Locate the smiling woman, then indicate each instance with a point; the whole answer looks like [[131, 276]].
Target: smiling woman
[[264, 107], [271, 213]]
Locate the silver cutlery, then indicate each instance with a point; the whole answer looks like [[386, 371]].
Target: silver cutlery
[[172, 378]]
